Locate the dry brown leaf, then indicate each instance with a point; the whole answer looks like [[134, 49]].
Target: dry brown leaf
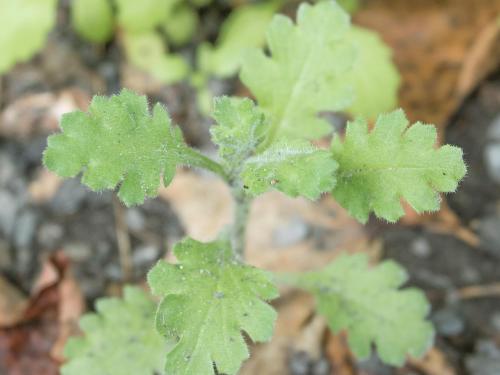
[[294, 310], [339, 354], [12, 304], [34, 114], [33, 345], [202, 202], [433, 363], [44, 186], [431, 41]]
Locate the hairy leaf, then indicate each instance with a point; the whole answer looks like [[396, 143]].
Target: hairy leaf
[[379, 168], [144, 15], [93, 19], [23, 29], [295, 168], [368, 304], [243, 29], [148, 52], [305, 72], [374, 76], [208, 300], [239, 128], [119, 339], [117, 142]]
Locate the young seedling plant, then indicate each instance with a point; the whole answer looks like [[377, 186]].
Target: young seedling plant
[[211, 300]]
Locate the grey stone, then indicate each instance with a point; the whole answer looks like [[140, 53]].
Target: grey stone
[[448, 322], [421, 247], [299, 363], [373, 365], [492, 161], [25, 229], [7, 169], [471, 275], [489, 234], [145, 255], [5, 256], [113, 272], [494, 130], [495, 321], [69, 198], [25, 259], [9, 208], [49, 235], [78, 252], [293, 232], [486, 360], [321, 367], [135, 219]]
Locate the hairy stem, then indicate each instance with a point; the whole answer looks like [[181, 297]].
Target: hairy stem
[[197, 159], [241, 213]]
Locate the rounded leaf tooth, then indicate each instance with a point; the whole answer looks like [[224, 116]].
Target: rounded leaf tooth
[[131, 192]]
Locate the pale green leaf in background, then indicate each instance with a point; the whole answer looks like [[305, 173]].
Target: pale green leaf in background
[[367, 303], [295, 168], [93, 19], [374, 76], [148, 52], [118, 142], [392, 162], [238, 130], [181, 24], [119, 339], [137, 16], [24, 25], [305, 73], [208, 301], [244, 28]]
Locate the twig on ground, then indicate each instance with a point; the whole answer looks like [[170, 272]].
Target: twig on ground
[[123, 240]]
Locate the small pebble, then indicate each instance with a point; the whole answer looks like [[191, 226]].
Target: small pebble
[[291, 233], [421, 247], [9, 207], [135, 219], [145, 255], [492, 161], [448, 322], [25, 229], [78, 252]]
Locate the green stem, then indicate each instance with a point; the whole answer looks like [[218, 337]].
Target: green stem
[[196, 159], [238, 229]]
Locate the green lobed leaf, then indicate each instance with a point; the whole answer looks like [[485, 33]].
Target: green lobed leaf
[[374, 76], [208, 300], [305, 73], [295, 168], [244, 28], [367, 302], [119, 339], [379, 168], [148, 52], [23, 29], [93, 19], [239, 128], [118, 142], [144, 15]]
